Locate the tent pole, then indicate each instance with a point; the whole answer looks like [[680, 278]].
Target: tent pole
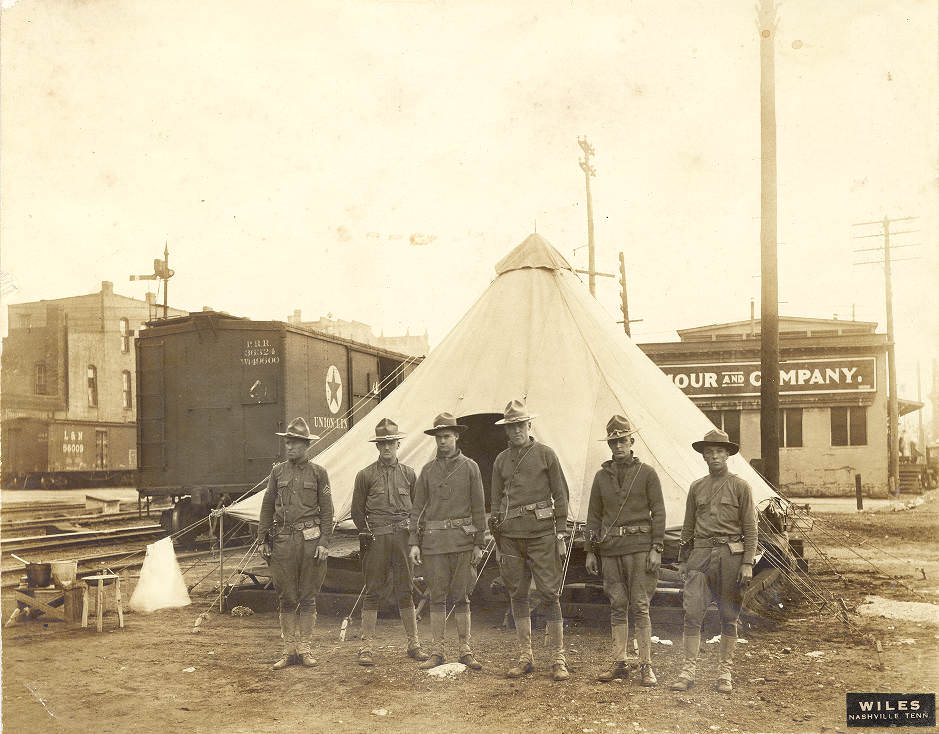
[[221, 562]]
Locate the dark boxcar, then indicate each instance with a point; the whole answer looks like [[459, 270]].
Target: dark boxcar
[[60, 453], [213, 390]]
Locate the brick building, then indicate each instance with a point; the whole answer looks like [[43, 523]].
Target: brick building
[[68, 381], [415, 346], [833, 396]]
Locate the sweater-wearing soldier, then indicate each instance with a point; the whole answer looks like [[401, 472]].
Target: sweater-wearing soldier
[[529, 518], [448, 523], [297, 522], [720, 528], [381, 505], [626, 528]]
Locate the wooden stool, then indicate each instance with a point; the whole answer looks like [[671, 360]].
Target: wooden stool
[[99, 600]]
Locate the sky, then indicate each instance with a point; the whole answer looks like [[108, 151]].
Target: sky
[[373, 160]]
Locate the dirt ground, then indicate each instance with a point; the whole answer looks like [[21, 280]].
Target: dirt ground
[[57, 679]]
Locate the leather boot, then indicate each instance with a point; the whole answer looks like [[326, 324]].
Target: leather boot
[[369, 621], [288, 630], [619, 669], [690, 643], [463, 630], [556, 642], [726, 664], [647, 676], [525, 662], [305, 638], [409, 620], [644, 639], [432, 661], [438, 630]]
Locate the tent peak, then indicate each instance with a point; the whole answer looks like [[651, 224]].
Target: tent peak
[[534, 252]]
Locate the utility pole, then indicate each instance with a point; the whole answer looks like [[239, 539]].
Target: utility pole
[[893, 408], [893, 412], [589, 171], [921, 432], [769, 306], [624, 306]]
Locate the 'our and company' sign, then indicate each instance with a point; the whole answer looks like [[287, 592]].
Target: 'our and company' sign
[[850, 374]]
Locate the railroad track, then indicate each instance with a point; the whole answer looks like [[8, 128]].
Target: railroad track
[[141, 533], [121, 560], [13, 509], [8, 527]]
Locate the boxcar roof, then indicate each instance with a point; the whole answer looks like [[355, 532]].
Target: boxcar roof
[[199, 320]]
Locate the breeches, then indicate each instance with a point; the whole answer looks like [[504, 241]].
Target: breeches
[[450, 574], [628, 586], [524, 559], [296, 573], [712, 574], [386, 566]]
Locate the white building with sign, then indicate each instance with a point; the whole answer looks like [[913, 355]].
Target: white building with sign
[[833, 396]]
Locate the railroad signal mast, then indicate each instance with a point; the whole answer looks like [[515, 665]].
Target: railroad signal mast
[[161, 272]]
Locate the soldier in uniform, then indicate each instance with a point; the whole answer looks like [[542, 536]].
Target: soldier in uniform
[[297, 522], [381, 505], [529, 519], [720, 532], [448, 523], [626, 528]]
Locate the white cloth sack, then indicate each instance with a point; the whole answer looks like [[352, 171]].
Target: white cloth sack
[[161, 583]]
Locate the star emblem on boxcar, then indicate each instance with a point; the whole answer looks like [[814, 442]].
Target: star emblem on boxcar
[[333, 389]]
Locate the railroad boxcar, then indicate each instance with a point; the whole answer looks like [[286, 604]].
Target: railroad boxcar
[[213, 390], [40, 452]]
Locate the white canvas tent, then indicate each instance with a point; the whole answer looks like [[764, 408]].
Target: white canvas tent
[[537, 333]]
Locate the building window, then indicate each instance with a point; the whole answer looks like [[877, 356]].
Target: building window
[[790, 427], [125, 336], [849, 426], [728, 421], [126, 395], [26, 321], [40, 378], [92, 386]]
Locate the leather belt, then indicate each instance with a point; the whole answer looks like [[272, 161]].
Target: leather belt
[[295, 527], [448, 523], [716, 540], [619, 530], [522, 509], [389, 529]]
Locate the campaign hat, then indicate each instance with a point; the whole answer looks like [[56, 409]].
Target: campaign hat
[[618, 427], [715, 437], [386, 430], [445, 421], [515, 412], [298, 428]]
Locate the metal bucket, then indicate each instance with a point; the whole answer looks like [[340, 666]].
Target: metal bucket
[[64, 573], [38, 575]]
